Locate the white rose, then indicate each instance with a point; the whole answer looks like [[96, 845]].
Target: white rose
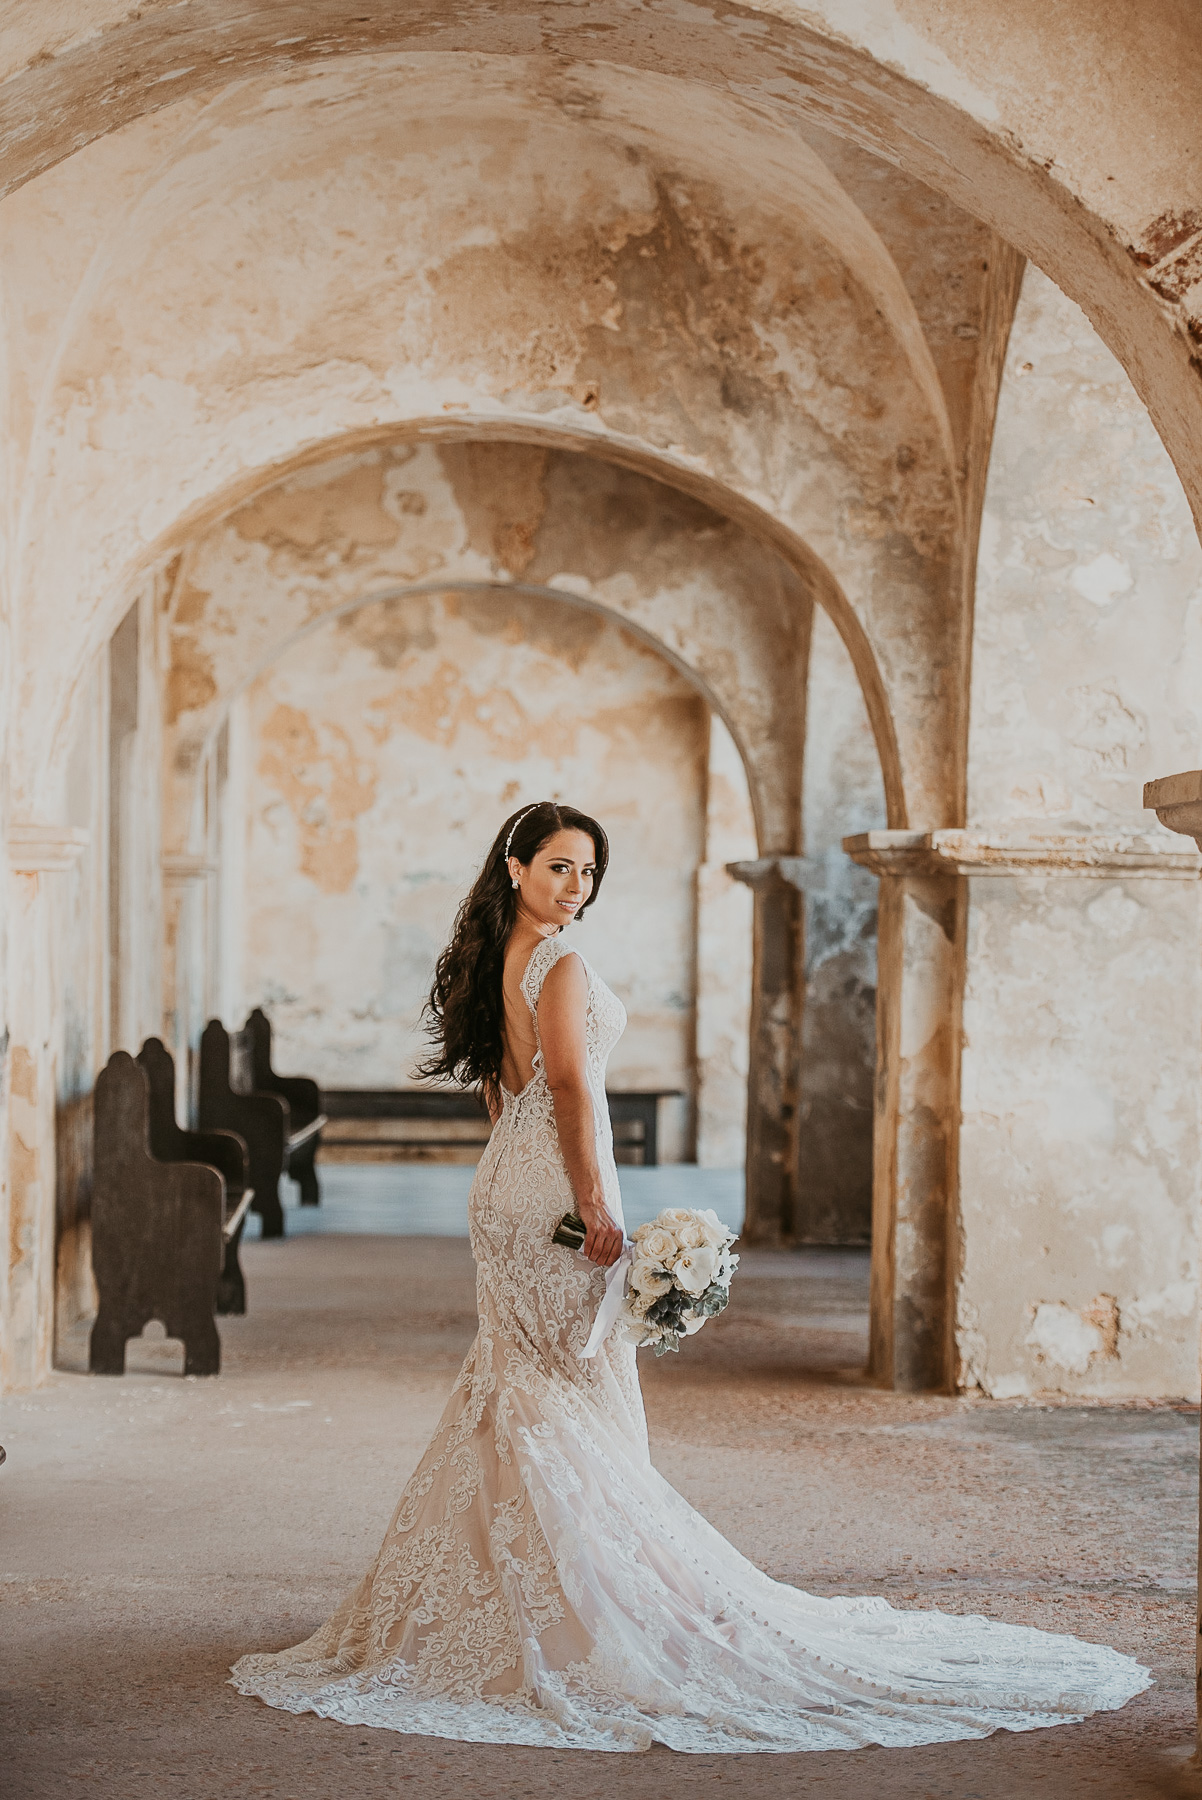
[[655, 1244], [715, 1231], [692, 1235], [695, 1269], [674, 1215], [645, 1278]]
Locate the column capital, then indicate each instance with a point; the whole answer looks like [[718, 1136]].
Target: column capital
[[1177, 802], [800, 872], [35, 847], [1106, 855]]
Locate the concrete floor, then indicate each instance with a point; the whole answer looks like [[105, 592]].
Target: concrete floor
[[154, 1528]]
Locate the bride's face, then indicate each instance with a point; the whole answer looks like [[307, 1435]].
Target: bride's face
[[558, 879]]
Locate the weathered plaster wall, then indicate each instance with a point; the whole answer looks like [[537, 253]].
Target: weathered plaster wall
[[385, 749], [713, 598], [1079, 1145], [843, 795]]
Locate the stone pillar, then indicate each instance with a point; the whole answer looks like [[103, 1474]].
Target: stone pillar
[[1028, 1232], [920, 955], [1177, 803], [725, 910], [188, 883], [27, 1204], [777, 1006]]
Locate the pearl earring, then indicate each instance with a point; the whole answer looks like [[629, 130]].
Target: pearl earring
[[516, 882]]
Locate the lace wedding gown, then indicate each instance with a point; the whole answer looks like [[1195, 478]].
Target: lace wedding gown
[[540, 1583]]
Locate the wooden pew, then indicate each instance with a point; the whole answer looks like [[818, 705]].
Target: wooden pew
[[228, 1103], [404, 1124], [156, 1231], [304, 1107], [447, 1125], [634, 1117], [222, 1150]]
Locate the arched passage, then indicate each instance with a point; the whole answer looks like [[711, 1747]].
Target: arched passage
[[357, 778], [845, 467]]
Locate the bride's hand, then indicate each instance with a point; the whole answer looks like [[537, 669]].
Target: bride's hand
[[603, 1239]]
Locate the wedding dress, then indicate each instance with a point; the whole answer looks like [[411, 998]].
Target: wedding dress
[[541, 1584]]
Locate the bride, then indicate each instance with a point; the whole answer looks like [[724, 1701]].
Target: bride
[[540, 1583]]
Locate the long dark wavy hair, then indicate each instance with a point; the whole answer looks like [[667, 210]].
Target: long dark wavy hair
[[465, 1012]]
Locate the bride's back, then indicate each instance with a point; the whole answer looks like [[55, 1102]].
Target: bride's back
[[520, 1037]]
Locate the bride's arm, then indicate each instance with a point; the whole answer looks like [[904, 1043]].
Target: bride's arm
[[562, 1011]]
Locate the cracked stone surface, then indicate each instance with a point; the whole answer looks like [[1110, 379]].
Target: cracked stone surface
[[155, 1528]]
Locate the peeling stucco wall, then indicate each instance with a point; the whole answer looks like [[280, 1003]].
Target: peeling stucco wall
[[1079, 1165], [385, 749], [696, 585]]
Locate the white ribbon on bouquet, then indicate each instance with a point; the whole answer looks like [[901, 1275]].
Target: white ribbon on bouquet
[[611, 1302]]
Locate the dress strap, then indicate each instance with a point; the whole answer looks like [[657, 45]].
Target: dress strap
[[543, 959]]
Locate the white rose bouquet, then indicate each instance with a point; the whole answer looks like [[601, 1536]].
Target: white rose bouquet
[[680, 1277], [680, 1267]]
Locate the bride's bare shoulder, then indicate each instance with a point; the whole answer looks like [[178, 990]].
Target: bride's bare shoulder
[[563, 976]]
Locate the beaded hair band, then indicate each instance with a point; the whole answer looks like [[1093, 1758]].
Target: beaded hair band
[[515, 825]]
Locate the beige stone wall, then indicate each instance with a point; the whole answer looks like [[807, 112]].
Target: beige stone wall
[[1082, 1008], [384, 749]]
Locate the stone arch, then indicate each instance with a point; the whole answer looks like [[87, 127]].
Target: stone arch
[[1109, 210], [502, 517], [885, 468]]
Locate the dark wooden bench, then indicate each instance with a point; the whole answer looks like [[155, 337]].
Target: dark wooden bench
[[229, 1101], [403, 1124], [412, 1124], [634, 1116], [222, 1150], [157, 1231], [306, 1118], [260, 1120]]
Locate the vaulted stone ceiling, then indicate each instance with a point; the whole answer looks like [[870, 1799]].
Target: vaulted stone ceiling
[[371, 248]]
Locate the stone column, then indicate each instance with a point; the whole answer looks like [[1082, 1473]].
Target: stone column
[[27, 1204], [188, 883], [920, 956], [1008, 1170], [1177, 803], [777, 1005]]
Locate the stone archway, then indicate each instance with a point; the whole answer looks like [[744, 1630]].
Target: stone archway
[[511, 519]]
